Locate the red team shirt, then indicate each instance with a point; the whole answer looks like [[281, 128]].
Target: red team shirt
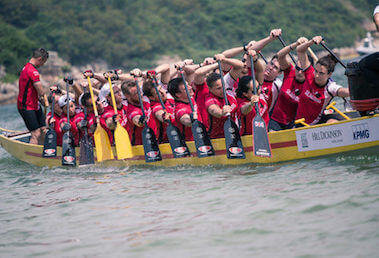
[[314, 99], [135, 132], [28, 96], [216, 125], [201, 93], [181, 109], [161, 127], [286, 105], [247, 120], [109, 112]]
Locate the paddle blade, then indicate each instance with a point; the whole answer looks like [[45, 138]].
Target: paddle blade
[[260, 138], [50, 144], [102, 144], [68, 150], [86, 151], [122, 142], [150, 145], [203, 144], [177, 142], [234, 147]]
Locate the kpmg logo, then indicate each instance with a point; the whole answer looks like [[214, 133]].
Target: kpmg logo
[[360, 131]]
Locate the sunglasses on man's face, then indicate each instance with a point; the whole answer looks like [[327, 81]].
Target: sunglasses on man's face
[[298, 68]]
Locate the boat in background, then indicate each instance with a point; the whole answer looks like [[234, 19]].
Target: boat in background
[[293, 144], [368, 46]]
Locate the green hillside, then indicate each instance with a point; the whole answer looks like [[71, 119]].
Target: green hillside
[[133, 33]]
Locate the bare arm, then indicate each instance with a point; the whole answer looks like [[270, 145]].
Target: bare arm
[[201, 73], [343, 92], [259, 45], [302, 48]]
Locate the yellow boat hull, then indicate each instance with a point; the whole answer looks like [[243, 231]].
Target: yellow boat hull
[[300, 143]]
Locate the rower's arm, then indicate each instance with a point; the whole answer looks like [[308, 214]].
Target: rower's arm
[[201, 73], [343, 92], [302, 48], [259, 45]]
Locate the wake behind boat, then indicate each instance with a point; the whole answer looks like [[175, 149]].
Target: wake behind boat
[[294, 144]]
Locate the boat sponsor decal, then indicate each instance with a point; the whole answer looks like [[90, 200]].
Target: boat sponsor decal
[[152, 154], [49, 152], [235, 150], [259, 124], [262, 153], [205, 148], [337, 135], [180, 150], [69, 159]]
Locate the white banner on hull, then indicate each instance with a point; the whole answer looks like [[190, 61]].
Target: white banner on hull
[[338, 135]]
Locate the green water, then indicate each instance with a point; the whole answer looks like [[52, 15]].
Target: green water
[[311, 208]]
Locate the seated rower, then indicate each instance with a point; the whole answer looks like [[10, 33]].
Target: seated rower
[[160, 116], [284, 112], [215, 102], [109, 116], [246, 100], [91, 123], [62, 125], [135, 119], [183, 111], [319, 90]]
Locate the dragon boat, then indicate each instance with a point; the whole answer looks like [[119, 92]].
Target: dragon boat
[[293, 144]]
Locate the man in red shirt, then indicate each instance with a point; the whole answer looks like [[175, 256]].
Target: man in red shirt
[[284, 112], [160, 116], [135, 119], [183, 111], [30, 91], [319, 89]]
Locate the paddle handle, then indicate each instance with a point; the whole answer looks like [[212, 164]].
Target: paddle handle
[[112, 96], [223, 83], [52, 109], [313, 55], [155, 83], [139, 96], [332, 53], [92, 97], [263, 57], [187, 92], [254, 83], [331, 105], [68, 102], [302, 121], [284, 45]]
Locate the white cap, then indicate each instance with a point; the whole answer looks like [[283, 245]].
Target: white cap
[[104, 92], [63, 100]]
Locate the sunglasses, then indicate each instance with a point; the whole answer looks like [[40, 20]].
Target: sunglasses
[[298, 68]]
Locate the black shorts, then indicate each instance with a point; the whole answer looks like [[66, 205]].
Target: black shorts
[[33, 119]]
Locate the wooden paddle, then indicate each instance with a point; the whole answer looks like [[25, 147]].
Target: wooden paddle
[[233, 143], [121, 136], [68, 145], [102, 144], [290, 54], [150, 144], [50, 144], [203, 143], [86, 145], [261, 143], [175, 138]]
